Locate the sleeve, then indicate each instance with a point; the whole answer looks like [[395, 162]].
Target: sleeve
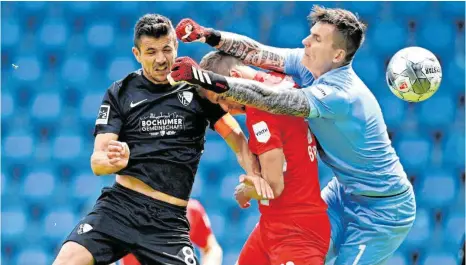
[[296, 69], [213, 112], [200, 224], [264, 131], [109, 119], [326, 101]]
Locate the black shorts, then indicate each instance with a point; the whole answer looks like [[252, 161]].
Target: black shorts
[[124, 221]]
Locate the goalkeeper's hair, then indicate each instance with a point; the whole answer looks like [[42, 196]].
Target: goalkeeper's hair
[[219, 62], [152, 25], [350, 27]]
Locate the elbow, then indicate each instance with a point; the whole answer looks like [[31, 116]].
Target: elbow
[[277, 188]]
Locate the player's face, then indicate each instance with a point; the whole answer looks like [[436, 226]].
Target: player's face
[[156, 55], [229, 106], [319, 52]]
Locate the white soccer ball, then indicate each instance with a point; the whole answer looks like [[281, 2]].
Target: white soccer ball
[[414, 74]]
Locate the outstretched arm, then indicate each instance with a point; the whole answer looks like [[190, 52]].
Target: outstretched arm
[[246, 49], [252, 52], [278, 101]]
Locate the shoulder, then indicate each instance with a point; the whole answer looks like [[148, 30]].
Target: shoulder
[[194, 206]]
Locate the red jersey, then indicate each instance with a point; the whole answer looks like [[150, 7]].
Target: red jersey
[[269, 131], [199, 233]]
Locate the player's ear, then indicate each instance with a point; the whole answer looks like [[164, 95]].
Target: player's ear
[[339, 56], [136, 54], [235, 73]]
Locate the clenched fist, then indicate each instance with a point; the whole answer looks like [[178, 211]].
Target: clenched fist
[[188, 30]]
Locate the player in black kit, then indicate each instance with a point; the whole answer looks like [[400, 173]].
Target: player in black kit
[[151, 135]]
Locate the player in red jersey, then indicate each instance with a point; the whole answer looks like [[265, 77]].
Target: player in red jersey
[[294, 228], [200, 234]]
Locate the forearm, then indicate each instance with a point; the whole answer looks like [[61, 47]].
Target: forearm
[[252, 52], [100, 164], [291, 102], [247, 160]]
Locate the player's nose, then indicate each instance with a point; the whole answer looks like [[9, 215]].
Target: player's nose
[[306, 42]]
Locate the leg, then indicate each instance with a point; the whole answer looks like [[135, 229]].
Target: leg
[[253, 251], [299, 240], [376, 227], [331, 194], [73, 253]]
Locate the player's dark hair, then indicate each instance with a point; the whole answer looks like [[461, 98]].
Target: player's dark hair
[[152, 25], [352, 29], [219, 62]]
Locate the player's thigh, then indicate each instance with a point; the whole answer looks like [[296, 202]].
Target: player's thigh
[[375, 229], [253, 251], [164, 239], [74, 254], [332, 195], [90, 237]]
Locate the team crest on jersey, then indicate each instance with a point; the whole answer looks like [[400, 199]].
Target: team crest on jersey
[[185, 97], [162, 124], [261, 131], [84, 228]]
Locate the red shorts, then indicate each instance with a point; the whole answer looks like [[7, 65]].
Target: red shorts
[[289, 240]]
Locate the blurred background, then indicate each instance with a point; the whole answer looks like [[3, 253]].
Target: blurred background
[[58, 58]]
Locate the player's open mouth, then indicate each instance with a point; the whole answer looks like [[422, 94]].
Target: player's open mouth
[[161, 69]]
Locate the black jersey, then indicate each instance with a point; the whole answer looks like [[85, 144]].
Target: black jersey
[[164, 127]]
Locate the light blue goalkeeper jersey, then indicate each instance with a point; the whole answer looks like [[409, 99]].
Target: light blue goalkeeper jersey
[[348, 123]]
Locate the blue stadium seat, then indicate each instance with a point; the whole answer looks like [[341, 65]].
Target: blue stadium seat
[[198, 187], [366, 10], [76, 70], [86, 185], [39, 185], [29, 68], [211, 154], [388, 30], [36, 256], [218, 222], [398, 259], [3, 184], [440, 258], [453, 149], [414, 152], [18, 145], [437, 112], [290, 33], [454, 228], [244, 26], [120, 67], [8, 106], [58, 223], [10, 32], [443, 32], [394, 111], [67, 147], [14, 222], [90, 106], [437, 188], [451, 10], [100, 35], [454, 72], [46, 106], [421, 231], [369, 69], [54, 33], [410, 9]]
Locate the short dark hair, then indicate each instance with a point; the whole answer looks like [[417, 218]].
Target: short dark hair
[[152, 25], [219, 62], [352, 29]]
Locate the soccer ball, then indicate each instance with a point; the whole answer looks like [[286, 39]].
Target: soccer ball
[[414, 74]]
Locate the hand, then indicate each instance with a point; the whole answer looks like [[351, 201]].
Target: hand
[[187, 70], [118, 153], [188, 30], [241, 197], [262, 188]]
